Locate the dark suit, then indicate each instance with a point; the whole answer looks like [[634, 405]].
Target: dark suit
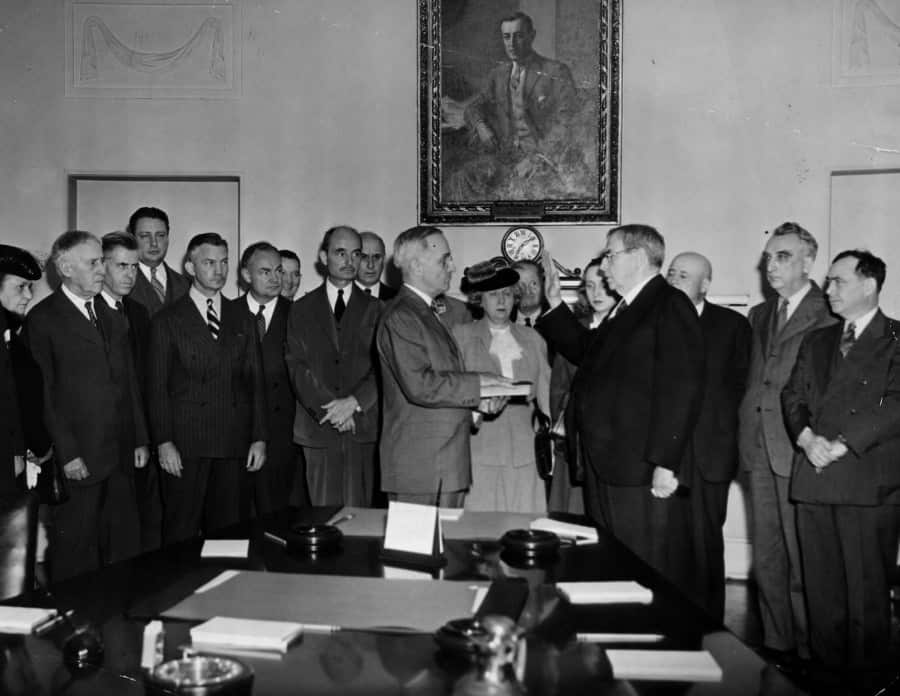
[[712, 455], [847, 514], [208, 398], [634, 404], [176, 286], [385, 292], [427, 401], [146, 479], [330, 360], [548, 101], [766, 452], [93, 410], [275, 481], [12, 437]]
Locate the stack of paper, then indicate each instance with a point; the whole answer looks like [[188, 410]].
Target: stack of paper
[[245, 634], [620, 592], [665, 665], [578, 532], [23, 620], [225, 548]]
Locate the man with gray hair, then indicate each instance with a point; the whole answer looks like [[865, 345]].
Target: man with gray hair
[[371, 266], [428, 397], [635, 398], [766, 449], [93, 412]]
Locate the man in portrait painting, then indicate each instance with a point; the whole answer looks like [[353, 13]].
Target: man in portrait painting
[[524, 141]]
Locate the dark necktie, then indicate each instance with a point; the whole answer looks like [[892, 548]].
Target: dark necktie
[[848, 338], [157, 286], [261, 323], [781, 316], [368, 291], [527, 321], [339, 306], [212, 319], [120, 308], [89, 306]]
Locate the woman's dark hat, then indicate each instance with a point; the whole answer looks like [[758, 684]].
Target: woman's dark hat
[[16, 261], [488, 275]]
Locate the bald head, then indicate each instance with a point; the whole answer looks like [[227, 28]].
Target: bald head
[[691, 273]]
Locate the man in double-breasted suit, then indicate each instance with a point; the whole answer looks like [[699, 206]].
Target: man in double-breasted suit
[[766, 450], [635, 397], [93, 411], [428, 397], [711, 458], [329, 355], [842, 406], [261, 273], [206, 399], [156, 285]]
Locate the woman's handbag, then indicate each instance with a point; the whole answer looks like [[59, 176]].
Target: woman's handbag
[[543, 444]]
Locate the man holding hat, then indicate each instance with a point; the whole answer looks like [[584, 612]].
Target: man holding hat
[[18, 429]]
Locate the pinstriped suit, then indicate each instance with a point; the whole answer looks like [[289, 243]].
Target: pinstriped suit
[[208, 398]]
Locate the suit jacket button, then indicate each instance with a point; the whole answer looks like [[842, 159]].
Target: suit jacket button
[[767, 382], [852, 411]]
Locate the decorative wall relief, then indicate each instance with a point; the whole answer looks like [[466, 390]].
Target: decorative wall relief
[[866, 45], [172, 48]]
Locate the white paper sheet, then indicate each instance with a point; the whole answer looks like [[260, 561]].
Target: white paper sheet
[[617, 592], [225, 548], [665, 665], [410, 527]]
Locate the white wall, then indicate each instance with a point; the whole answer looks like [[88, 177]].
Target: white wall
[[729, 126]]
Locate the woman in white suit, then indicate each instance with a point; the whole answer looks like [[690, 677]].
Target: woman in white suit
[[504, 472]]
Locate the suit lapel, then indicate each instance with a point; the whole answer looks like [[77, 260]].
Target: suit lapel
[[867, 349], [193, 323], [77, 322], [610, 334], [803, 317], [323, 314]]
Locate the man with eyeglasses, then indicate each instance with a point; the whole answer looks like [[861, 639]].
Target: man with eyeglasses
[[766, 449], [635, 398]]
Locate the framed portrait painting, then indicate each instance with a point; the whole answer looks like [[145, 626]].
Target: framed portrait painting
[[519, 111]]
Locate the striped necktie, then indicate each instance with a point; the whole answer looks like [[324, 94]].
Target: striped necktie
[[212, 319], [157, 285], [261, 322], [848, 338]]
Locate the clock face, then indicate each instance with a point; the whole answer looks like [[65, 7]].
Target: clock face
[[522, 244]]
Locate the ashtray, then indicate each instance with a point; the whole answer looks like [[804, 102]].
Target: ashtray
[[530, 544], [201, 675], [458, 638], [315, 538]]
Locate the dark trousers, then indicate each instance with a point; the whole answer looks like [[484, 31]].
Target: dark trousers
[[655, 529], [341, 474], [708, 503], [848, 552], [99, 524], [776, 563], [149, 502], [275, 481], [210, 494]]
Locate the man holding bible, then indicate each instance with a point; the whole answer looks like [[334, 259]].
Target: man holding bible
[[428, 398]]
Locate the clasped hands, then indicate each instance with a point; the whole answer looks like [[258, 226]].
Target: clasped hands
[[339, 414], [819, 450]]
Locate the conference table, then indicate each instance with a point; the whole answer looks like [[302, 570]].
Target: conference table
[[116, 603]]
